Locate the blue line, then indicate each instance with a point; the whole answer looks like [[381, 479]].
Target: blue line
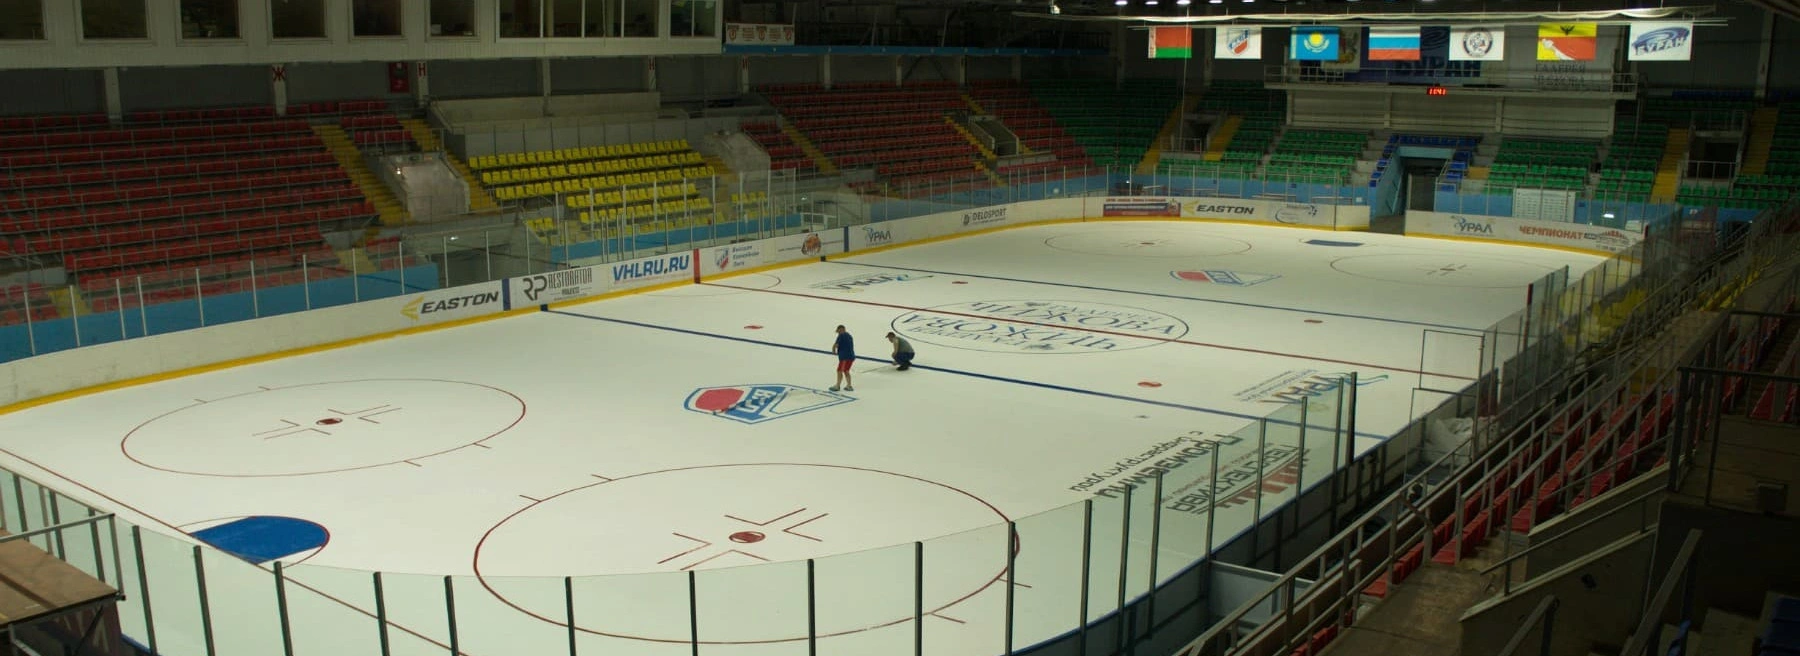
[[1173, 296], [959, 372]]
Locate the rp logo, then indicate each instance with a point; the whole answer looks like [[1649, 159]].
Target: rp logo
[[754, 404], [535, 285]]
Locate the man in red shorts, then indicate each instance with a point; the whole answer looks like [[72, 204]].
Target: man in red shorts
[[845, 348]]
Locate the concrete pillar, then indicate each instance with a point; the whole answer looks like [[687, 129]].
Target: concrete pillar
[[421, 83], [1764, 50], [115, 111], [545, 84], [825, 71], [899, 70], [278, 80], [962, 70], [743, 74]]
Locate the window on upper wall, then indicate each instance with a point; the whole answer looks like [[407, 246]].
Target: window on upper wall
[[641, 17], [601, 19], [521, 19], [209, 19], [375, 18], [297, 19], [21, 20], [113, 19], [452, 17], [693, 18], [565, 17]]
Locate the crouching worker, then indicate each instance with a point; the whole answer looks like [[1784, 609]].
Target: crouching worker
[[903, 351]]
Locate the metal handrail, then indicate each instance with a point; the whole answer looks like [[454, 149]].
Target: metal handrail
[[1546, 613], [1509, 560], [1649, 627]]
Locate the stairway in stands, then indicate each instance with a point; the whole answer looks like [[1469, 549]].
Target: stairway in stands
[[388, 207], [1668, 173], [820, 161], [1153, 155], [479, 200], [1215, 149], [1761, 140]]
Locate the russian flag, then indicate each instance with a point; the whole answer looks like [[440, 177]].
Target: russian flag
[[1393, 44]]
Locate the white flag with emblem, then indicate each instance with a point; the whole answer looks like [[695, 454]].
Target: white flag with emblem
[[1478, 43]]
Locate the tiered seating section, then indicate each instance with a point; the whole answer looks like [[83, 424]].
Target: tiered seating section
[[1629, 170], [170, 192], [901, 132], [1455, 169], [1315, 156], [784, 154], [520, 176], [1539, 164], [1750, 192], [1784, 152], [18, 302], [1114, 124], [1037, 129], [1259, 117]]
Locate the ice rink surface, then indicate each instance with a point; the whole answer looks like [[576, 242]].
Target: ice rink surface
[[627, 441]]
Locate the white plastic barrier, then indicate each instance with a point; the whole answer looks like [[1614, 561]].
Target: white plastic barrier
[[1578, 236], [100, 364]]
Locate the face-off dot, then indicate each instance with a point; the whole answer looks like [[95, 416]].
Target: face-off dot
[[752, 327], [747, 537], [329, 421], [959, 282], [1314, 321], [1149, 383]]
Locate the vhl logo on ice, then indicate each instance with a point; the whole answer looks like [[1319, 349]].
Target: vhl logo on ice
[[754, 404], [1224, 277]]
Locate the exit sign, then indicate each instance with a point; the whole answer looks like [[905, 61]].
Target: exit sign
[[1436, 91]]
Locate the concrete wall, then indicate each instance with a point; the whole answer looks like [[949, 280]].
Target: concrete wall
[[1599, 597], [1741, 558], [1564, 539]]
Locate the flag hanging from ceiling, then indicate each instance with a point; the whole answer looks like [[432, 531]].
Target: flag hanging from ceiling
[[1233, 42], [1171, 42], [1662, 41], [1567, 41], [1314, 44], [1478, 43], [1393, 44]]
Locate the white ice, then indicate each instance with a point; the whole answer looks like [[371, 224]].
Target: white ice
[[555, 444]]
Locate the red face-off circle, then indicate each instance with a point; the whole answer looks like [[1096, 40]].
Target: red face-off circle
[[747, 537]]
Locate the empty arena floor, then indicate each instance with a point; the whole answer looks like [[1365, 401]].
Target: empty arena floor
[[629, 441]]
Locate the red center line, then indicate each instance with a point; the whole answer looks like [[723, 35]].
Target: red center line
[[1171, 340]]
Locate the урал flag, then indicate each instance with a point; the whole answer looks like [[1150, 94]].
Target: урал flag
[[1171, 42], [1567, 41]]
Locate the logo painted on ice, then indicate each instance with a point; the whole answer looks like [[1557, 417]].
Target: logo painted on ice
[[1040, 327], [755, 404], [1224, 277], [856, 283], [1298, 385], [1468, 226]]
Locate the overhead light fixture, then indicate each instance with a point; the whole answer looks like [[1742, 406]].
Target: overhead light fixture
[[1121, 3], [1152, 3], [1054, 9], [1184, 3]]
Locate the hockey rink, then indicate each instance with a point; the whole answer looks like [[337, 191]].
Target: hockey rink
[[629, 441]]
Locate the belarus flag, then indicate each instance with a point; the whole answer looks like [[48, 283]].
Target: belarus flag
[[1393, 44], [1171, 42]]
